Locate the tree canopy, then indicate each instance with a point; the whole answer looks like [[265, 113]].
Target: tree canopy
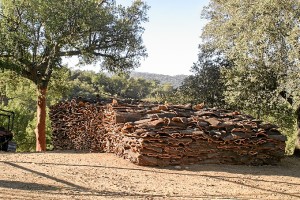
[[206, 84], [261, 38], [35, 35]]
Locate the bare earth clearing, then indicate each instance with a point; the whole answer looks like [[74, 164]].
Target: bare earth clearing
[[78, 175]]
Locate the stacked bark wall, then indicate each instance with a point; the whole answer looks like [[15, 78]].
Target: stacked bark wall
[[77, 126], [160, 135]]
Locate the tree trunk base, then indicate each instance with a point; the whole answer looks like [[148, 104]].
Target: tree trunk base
[[297, 153], [40, 130]]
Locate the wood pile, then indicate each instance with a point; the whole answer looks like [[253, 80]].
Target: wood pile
[[77, 125], [161, 135]]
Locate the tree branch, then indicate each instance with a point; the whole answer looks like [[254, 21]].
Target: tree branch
[[284, 95], [79, 52]]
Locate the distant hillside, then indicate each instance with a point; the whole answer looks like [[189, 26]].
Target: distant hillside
[[175, 81]]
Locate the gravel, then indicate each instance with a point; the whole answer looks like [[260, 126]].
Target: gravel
[[81, 175]]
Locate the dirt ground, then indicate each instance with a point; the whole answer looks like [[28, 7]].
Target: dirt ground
[[78, 175]]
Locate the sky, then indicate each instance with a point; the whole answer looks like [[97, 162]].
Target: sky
[[171, 36]]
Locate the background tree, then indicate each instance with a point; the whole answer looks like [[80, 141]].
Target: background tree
[[137, 88], [83, 84], [175, 81], [23, 104], [206, 85], [90, 85], [36, 34], [262, 40]]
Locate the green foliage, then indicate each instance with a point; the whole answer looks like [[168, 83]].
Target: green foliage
[[21, 94], [284, 116], [82, 84], [163, 93], [206, 84], [89, 84], [261, 38], [256, 35], [59, 86], [35, 34], [175, 81], [137, 88], [22, 103]]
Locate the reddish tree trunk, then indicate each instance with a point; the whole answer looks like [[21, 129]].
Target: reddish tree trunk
[[297, 148], [40, 130]]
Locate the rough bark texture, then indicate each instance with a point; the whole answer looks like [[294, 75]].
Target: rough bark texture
[[297, 146], [40, 129], [160, 135]]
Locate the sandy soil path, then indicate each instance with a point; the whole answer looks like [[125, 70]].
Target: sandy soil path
[[78, 175]]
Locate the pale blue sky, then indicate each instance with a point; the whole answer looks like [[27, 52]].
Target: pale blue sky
[[171, 36]]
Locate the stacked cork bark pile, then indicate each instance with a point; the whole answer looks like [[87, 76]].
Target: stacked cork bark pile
[[161, 135], [77, 126]]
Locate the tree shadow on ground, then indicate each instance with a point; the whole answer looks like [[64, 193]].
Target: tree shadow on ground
[[25, 185], [74, 189], [289, 167]]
